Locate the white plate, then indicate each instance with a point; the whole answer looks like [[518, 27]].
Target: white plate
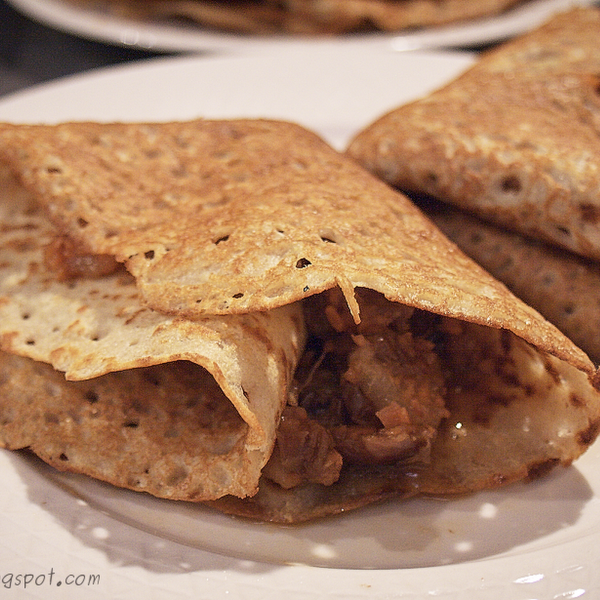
[[97, 24], [528, 541]]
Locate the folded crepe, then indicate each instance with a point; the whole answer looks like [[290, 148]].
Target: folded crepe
[[183, 409], [514, 139], [198, 242], [309, 16], [564, 287]]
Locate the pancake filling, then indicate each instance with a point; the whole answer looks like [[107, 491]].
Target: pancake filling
[[370, 393], [69, 260]]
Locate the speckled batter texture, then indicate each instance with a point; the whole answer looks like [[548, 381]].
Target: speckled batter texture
[[515, 139]]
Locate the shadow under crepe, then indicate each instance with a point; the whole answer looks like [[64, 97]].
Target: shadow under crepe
[[421, 532]]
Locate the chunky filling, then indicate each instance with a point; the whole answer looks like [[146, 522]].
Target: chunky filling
[[369, 394], [69, 260]]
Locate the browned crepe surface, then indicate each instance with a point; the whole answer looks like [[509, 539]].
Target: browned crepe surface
[[514, 139], [161, 430], [310, 17], [248, 215]]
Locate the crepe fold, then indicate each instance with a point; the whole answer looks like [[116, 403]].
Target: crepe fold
[[514, 139], [421, 373], [183, 409]]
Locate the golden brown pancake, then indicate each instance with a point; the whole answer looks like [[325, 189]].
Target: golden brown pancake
[[514, 139], [236, 216], [212, 246]]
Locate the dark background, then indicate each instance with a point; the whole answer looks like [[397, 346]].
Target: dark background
[[32, 53]]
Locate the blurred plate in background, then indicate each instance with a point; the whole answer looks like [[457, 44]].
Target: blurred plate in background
[[98, 24]]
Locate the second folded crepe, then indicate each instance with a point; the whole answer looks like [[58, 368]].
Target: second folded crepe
[[514, 139], [217, 243]]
